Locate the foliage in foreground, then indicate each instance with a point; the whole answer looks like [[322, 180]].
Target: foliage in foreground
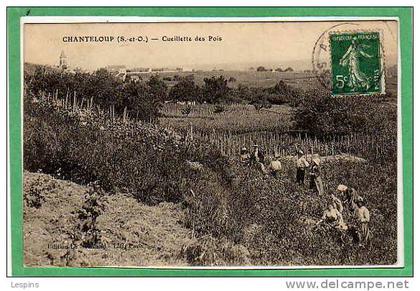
[[141, 159]]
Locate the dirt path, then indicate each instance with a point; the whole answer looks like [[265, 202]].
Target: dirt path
[[129, 232]]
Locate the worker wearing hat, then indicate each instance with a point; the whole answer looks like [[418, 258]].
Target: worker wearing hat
[[244, 155], [315, 181]]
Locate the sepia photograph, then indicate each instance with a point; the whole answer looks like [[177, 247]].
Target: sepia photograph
[[212, 143]]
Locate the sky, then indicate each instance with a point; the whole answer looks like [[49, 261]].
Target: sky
[[242, 44]]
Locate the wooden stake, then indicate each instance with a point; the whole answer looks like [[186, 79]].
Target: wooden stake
[[74, 101]]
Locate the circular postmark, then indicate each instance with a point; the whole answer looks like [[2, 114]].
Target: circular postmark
[[321, 58]]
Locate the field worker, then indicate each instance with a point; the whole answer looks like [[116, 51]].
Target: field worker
[[301, 165], [315, 181], [333, 217], [258, 158], [337, 203], [363, 218], [275, 167], [244, 155], [258, 155], [350, 196]]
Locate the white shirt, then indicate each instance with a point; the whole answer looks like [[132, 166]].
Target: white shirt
[[302, 163], [275, 165], [363, 214]]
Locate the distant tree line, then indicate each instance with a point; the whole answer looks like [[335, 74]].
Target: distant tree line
[[144, 97], [264, 69]]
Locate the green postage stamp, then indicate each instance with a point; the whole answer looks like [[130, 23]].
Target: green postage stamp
[[356, 63]]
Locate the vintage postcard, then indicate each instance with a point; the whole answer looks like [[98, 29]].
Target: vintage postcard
[[212, 143]]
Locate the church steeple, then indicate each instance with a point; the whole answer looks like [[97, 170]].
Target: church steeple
[[63, 61]]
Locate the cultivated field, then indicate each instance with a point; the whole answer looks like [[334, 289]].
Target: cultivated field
[[235, 118], [272, 129], [247, 78]]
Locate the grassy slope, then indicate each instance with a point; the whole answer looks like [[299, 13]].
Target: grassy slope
[[153, 235]]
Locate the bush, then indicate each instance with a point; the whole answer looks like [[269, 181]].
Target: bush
[[320, 115], [215, 90], [185, 90], [280, 93]]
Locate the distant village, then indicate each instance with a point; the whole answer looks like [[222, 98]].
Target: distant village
[[120, 71], [123, 72]]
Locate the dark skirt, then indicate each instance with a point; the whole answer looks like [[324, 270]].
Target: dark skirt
[[300, 176], [312, 184]]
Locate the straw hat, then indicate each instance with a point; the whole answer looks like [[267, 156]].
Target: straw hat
[[342, 188]]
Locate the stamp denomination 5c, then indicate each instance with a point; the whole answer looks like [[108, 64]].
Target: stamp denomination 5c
[[356, 63]]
